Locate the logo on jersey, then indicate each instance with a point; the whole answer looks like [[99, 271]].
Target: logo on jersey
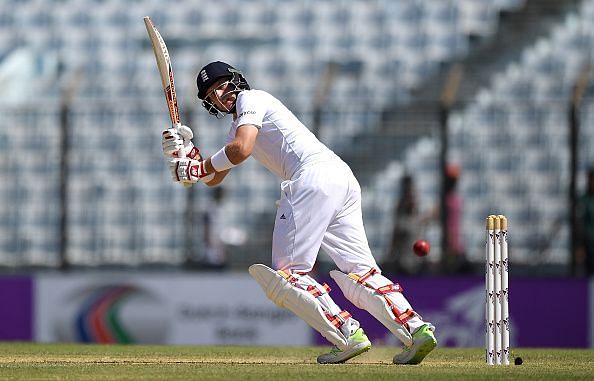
[[246, 113], [204, 76]]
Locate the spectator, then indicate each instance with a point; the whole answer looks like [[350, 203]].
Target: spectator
[[453, 260], [399, 258]]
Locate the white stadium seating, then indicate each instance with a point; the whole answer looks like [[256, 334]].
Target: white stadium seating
[[120, 214]]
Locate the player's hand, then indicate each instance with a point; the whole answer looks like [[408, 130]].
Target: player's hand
[[173, 139], [189, 171]]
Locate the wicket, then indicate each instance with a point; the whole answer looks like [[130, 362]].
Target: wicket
[[496, 291]]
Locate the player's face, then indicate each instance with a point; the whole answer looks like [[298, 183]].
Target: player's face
[[221, 94]]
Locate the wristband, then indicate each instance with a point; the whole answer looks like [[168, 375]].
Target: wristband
[[220, 162]]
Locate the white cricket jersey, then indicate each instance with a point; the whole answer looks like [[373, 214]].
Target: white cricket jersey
[[283, 144]]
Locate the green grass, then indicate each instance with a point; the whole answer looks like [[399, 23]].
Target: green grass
[[25, 361]]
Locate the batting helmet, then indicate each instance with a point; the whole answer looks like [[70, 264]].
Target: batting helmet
[[211, 73], [214, 71]]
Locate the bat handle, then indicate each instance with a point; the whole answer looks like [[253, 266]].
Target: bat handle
[[182, 154]]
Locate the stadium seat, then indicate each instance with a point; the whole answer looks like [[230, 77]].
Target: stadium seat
[[118, 110]]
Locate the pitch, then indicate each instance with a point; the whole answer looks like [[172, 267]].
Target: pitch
[[26, 361]]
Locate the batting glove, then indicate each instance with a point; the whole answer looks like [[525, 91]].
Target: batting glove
[[173, 139], [189, 171]]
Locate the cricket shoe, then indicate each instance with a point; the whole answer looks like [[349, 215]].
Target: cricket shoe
[[423, 343], [358, 343]]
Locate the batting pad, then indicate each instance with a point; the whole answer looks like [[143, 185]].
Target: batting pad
[[300, 302], [374, 303]]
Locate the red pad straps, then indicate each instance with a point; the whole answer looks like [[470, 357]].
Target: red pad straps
[[338, 320], [361, 279], [388, 289], [288, 276], [316, 292], [400, 317]]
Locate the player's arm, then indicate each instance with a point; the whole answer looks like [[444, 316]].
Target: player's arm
[[213, 170], [217, 179], [236, 152]]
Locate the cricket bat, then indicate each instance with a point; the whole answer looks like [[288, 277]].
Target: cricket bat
[[166, 73]]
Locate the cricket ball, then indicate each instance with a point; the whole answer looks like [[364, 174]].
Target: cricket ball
[[518, 361], [421, 247]]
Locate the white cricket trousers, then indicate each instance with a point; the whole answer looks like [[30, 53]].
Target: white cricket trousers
[[320, 206]]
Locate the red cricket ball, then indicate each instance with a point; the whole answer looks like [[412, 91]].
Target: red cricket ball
[[421, 247]]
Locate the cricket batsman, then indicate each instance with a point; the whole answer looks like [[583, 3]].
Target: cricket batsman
[[319, 207]]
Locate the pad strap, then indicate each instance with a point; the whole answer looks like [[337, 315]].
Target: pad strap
[[388, 289], [361, 278], [288, 276], [399, 317], [336, 320], [316, 292]]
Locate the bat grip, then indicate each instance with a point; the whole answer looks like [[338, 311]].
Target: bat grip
[[182, 154]]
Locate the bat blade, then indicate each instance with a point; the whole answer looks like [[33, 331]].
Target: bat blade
[[165, 69], [166, 73]]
